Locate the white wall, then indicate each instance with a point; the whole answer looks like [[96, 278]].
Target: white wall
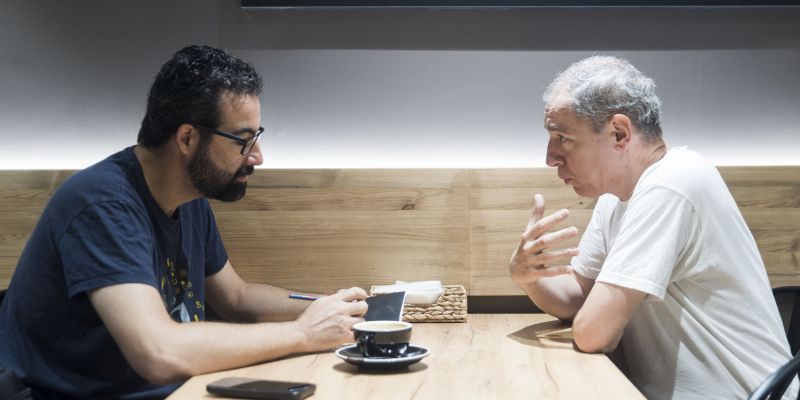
[[394, 88]]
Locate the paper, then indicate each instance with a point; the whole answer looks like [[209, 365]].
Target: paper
[[422, 292], [385, 307]]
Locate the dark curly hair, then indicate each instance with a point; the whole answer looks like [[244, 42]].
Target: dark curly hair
[[188, 88]]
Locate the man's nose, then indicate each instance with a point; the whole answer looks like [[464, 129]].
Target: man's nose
[[553, 157], [255, 157]]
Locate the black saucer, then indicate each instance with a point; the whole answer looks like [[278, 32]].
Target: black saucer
[[351, 355]]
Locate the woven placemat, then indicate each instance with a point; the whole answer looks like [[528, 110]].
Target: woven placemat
[[450, 307]]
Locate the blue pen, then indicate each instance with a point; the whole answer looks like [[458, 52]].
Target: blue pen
[[302, 297]]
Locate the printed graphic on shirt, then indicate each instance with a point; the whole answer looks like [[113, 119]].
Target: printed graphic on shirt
[[177, 294]]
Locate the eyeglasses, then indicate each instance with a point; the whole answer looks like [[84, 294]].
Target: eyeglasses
[[247, 144]]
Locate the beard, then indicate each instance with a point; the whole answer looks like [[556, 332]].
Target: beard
[[214, 182]]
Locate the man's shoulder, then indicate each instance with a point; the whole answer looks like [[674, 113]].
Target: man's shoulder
[[684, 156], [106, 181], [109, 177], [681, 170], [607, 203], [682, 161]]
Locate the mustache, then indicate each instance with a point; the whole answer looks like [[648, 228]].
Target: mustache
[[244, 171]]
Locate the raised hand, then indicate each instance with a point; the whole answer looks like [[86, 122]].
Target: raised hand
[[530, 261]]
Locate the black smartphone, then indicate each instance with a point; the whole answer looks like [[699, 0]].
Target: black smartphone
[[248, 388]]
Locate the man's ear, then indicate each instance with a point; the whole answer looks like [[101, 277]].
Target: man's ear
[[622, 129], [187, 137]]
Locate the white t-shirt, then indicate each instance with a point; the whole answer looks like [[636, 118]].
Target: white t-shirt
[[708, 327]]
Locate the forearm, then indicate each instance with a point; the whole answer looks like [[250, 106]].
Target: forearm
[[196, 348], [262, 302], [162, 350], [599, 325], [237, 300], [560, 296]]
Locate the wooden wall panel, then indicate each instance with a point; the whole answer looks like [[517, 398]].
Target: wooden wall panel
[[7, 265], [355, 190], [329, 250], [47, 180], [326, 229], [19, 212], [321, 230], [769, 198], [16, 227], [761, 176], [23, 195]]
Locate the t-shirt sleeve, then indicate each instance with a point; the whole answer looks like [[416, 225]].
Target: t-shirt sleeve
[[216, 255], [592, 246], [107, 243], [655, 230]]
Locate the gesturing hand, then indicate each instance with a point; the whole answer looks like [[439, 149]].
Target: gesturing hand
[[528, 263]]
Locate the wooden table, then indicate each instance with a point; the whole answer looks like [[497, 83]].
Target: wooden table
[[492, 356]]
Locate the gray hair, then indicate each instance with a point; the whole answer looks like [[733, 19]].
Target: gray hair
[[600, 86]]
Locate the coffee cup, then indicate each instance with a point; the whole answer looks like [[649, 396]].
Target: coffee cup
[[382, 338]]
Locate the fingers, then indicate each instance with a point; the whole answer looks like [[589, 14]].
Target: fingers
[[550, 256], [544, 224], [353, 321], [353, 299], [549, 240], [538, 207], [357, 309], [352, 294], [328, 321]]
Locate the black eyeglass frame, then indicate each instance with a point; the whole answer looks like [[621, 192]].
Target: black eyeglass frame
[[247, 144]]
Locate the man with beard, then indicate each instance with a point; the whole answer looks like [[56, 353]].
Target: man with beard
[[108, 298], [667, 266]]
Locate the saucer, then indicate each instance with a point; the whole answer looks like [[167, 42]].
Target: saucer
[[351, 355]]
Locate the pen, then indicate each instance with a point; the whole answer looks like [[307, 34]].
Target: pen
[[302, 297]]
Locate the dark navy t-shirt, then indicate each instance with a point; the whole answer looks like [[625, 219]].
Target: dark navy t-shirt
[[101, 228]]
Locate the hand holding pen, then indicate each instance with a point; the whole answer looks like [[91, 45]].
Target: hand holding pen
[[328, 320]]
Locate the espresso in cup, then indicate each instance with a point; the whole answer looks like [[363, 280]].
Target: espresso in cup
[[382, 338]]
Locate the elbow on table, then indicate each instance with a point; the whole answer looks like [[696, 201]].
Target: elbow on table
[[589, 339], [562, 314], [160, 368]]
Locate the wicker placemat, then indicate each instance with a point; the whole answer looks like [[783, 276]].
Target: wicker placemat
[[450, 307]]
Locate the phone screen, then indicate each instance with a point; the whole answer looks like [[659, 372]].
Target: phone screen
[[260, 388]]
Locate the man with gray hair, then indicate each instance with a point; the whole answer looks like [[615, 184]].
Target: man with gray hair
[[667, 266]]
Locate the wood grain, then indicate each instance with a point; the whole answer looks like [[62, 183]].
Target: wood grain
[[326, 229], [355, 190], [324, 251], [492, 356]]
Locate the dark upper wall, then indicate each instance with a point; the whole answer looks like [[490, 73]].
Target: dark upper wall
[[394, 87], [545, 28]]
